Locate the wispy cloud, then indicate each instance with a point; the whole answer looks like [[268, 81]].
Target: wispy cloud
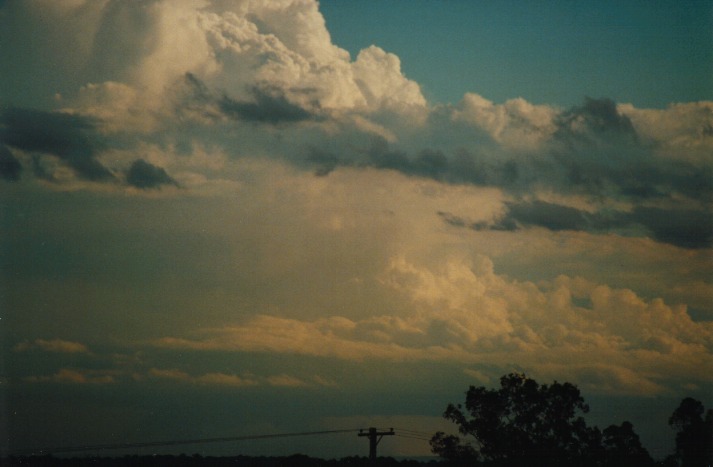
[[73, 376], [52, 345]]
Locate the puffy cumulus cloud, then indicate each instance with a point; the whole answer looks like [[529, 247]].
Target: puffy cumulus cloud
[[402, 285], [263, 79], [635, 262], [516, 124], [286, 44], [378, 76], [683, 131], [123, 61], [593, 170], [415, 207], [596, 149], [611, 340], [116, 105]]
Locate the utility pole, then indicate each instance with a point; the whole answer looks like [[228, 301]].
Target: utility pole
[[374, 438]]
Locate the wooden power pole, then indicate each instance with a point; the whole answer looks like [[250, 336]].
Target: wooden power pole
[[374, 438]]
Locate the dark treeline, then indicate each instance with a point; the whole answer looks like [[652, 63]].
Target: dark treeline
[[297, 460], [521, 424], [524, 423]]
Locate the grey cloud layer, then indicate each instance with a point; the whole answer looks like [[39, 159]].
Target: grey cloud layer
[[73, 139], [593, 151], [240, 73], [145, 175], [10, 167], [69, 137], [680, 227]]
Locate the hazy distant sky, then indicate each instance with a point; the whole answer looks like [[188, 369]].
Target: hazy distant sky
[[224, 218]]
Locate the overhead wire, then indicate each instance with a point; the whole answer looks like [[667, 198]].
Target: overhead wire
[[416, 432], [101, 447], [421, 438], [400, 432]]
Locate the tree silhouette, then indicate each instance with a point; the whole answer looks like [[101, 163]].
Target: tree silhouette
[[450, 448], [522, 423], [694, 437], [623, 447]]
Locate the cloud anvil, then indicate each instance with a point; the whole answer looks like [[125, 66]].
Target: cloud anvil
[[213, 201]]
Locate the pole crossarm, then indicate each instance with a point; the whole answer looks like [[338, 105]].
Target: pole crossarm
[[375, 436]]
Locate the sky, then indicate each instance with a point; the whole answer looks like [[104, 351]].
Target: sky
[[232, 218]]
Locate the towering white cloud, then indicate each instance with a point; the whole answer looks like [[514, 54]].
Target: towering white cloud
[[126, 58], [218, 179], [515, 124]]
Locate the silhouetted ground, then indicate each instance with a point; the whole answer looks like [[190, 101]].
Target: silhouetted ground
[[297, 460]]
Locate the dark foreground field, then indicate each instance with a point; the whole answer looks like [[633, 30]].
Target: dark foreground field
[[296, 460]]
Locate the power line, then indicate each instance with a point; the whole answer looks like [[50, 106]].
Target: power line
[[101, 447], [403, 433], [420, 438], [415, 432]]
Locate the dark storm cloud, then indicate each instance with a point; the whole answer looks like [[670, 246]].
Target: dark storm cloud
[[505, 224], [322, 161], [269, 105], [427, 163], [266, 104], [40, 169], [197, 88], [554, 217], [594, 152], [598, 116], [597, 148], [69, 137], [193, 96], [10, 167], [551, 216], [145, 175], [683, 228]]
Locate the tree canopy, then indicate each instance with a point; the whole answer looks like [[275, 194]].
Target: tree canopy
[[623, 448], [526, 423], [694, 433]]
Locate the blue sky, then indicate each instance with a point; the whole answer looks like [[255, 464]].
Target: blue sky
[[647, 53], [239, 218]]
